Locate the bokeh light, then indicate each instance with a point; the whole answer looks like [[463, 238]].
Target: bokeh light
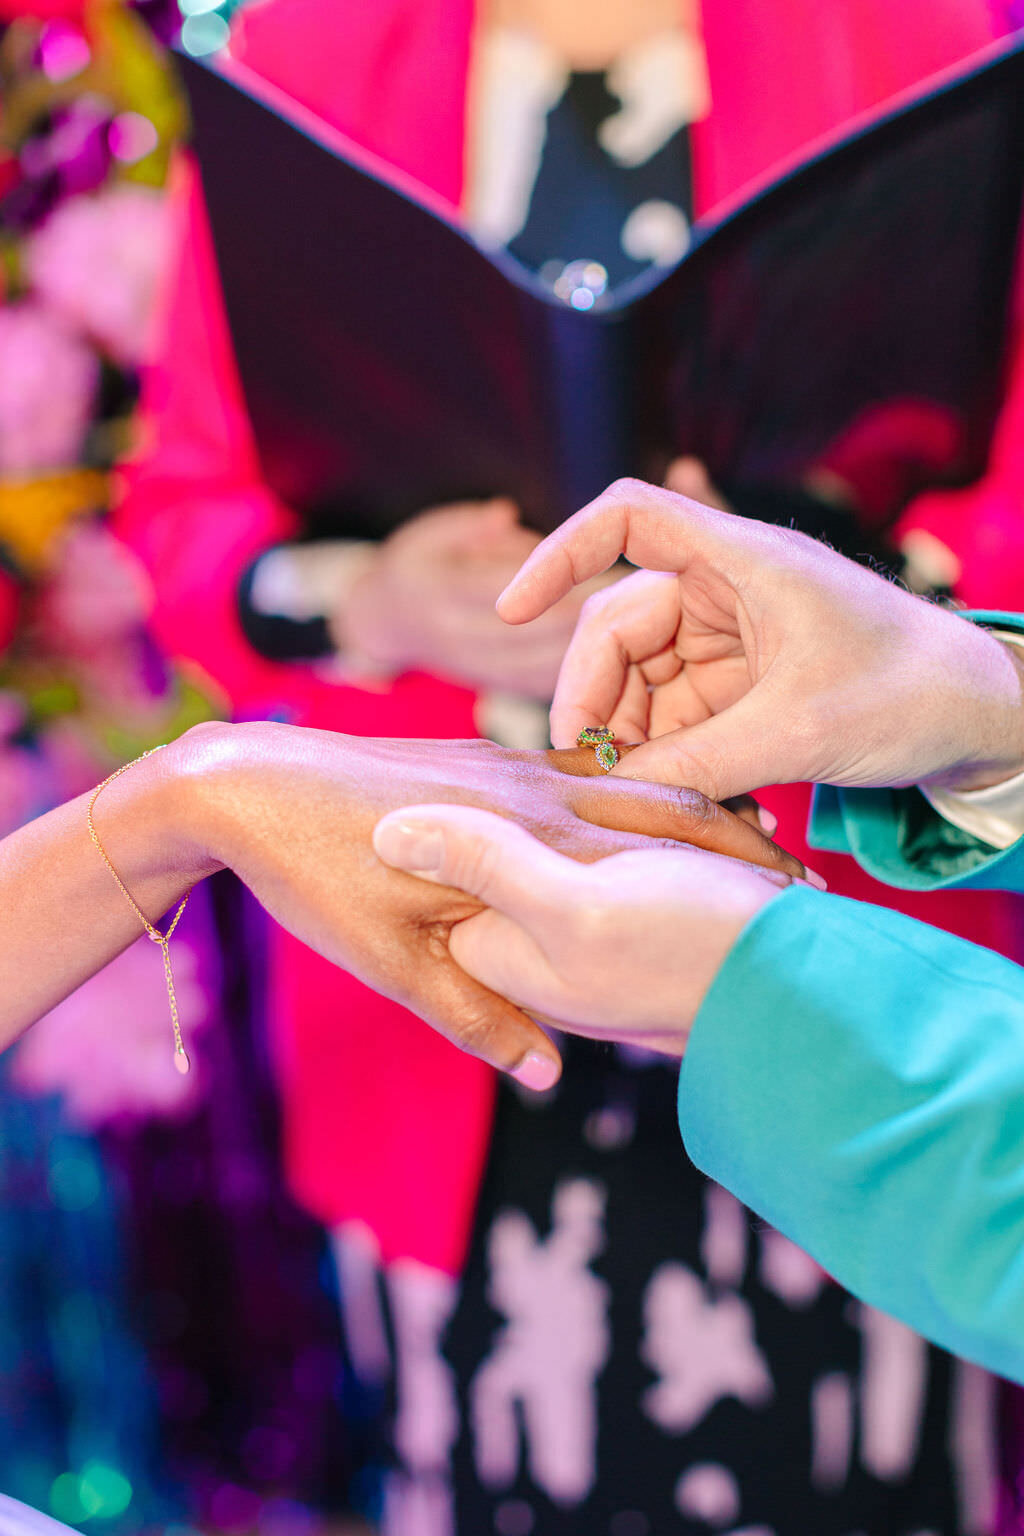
[[74, 1181], [204, 34], [132, 137], [98, 1492], [63, 52]]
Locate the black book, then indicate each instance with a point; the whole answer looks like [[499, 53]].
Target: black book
[[390, 364]]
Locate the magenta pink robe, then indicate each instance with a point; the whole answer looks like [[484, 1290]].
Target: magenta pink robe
[[385, 1122]]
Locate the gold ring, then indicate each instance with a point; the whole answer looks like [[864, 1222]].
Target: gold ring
[[603, 742]]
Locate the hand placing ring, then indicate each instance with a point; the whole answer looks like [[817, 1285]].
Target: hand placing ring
[[603, 742]]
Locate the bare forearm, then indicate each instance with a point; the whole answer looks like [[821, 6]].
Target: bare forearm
[[62, 917]]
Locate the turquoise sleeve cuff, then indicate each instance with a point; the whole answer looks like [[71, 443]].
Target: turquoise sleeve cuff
[[896, 836], [857, 1078], [827, 829]]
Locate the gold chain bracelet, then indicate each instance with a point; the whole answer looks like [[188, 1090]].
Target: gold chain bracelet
[[181, 1060]]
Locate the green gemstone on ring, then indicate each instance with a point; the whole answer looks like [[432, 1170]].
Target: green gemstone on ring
[[607, 755], [603, 742]]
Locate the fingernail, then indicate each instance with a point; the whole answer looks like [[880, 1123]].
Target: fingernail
[[769, 821], [813, 878], [537, 1072], [409, 845]]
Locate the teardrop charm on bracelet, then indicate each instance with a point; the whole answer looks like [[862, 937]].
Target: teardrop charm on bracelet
[[181, 1062]]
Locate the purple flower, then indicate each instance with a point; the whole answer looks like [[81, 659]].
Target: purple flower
[[162, 17], [96, 600], [74, 146]]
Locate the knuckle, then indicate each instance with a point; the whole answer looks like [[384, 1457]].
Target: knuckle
[[778, 858], [789, 864], [628, 488], [698, 813], [771, 860], [702, 771], [475, 1029], [626, 485], [483, 1033]]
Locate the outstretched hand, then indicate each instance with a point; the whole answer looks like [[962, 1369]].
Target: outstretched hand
[[746, 655]]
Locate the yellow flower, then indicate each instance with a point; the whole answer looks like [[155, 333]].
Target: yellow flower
[[35, 512]]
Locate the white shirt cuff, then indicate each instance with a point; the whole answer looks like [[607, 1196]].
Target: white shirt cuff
[[994, 815], [308, 581]]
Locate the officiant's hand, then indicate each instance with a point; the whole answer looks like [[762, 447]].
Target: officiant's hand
[[625, 949], [293, 812], [748, 655], [426, 603], [688, 476]]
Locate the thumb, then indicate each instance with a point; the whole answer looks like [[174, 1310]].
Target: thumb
[[469, 524], [513, 873], [688, 476], [732, 753], [501, 513], [493, 523], [480, 853]]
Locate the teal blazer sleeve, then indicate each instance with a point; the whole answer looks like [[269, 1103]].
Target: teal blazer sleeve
[[896, 836], [857, 1078]]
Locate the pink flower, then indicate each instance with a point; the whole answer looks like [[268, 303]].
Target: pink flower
[[97, 594], [47, 384], [108, 1050], [98, 260]]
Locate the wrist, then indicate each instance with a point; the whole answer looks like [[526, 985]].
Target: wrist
[[144, 821], [997, 732], [234, 785], [731, 974], [746, 901], [197, 794], [733, 895]]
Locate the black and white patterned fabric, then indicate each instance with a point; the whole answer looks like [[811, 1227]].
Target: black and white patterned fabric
[[631, 1353]]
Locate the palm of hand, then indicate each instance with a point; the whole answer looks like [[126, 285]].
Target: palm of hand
[[797, 680], [689, 642], [708, 666]]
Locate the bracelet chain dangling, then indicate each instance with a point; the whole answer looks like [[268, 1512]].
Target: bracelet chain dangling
[[181, 1060]]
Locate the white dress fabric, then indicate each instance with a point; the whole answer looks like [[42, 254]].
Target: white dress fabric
[[19, 1520]]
